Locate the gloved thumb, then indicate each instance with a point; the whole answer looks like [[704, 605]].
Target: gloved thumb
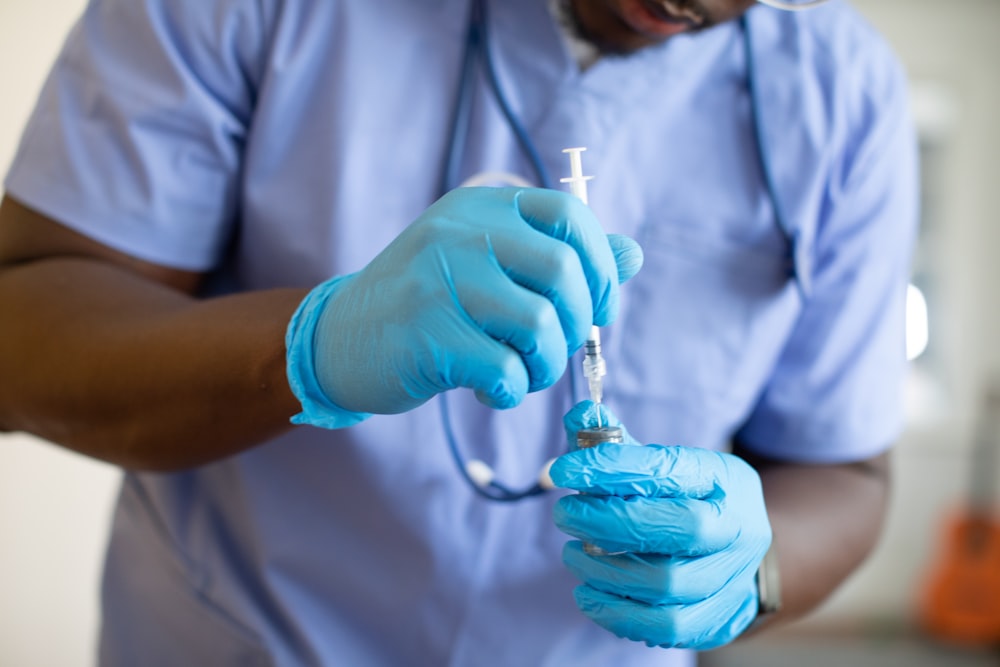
[[587, 414], [628, 256]]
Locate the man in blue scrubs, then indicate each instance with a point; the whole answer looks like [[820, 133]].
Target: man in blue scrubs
[[225, 217]]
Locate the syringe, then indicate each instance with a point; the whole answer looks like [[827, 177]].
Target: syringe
[[593, 363]]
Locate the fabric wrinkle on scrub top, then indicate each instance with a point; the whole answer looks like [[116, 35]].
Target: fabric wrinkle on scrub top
[[318, 130]]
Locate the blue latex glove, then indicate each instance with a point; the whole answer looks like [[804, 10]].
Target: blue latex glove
[[693, 523], [491, 289]]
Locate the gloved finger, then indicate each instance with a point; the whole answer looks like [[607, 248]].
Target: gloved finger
[[564, 217], [703, 625], [526, 321], [628, 256], [659, 579], [673, 526], [550, 268], [587, 414], [652, 470]]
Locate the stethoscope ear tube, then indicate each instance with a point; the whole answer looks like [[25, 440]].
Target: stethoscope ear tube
[[480, 476], [477, 45], [476, 473]]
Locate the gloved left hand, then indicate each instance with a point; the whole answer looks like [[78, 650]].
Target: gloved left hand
[[693, 524]]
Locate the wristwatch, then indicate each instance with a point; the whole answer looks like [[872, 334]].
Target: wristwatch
[[768, 587]]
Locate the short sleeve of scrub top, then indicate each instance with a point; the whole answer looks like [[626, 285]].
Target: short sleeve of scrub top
[[141, 125], [835, 393]]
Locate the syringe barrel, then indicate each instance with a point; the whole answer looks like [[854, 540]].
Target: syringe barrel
[[594, 368]]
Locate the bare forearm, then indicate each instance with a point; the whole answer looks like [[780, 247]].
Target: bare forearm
[[826, 519], [138, 374]]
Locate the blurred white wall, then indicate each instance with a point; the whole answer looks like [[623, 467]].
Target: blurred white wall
[[54, 505], [950, 50]]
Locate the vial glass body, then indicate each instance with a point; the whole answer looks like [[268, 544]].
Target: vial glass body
[[591, 437]]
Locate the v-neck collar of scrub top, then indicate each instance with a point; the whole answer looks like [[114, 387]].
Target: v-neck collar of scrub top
[[550, 94]]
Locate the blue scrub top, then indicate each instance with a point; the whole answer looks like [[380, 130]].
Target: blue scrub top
[[279, 143]]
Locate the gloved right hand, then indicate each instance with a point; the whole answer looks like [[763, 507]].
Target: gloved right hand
[[490, 289], [686, 529]]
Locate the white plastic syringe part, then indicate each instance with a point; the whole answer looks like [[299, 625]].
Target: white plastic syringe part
[[595, 335], [593, 362], [577, 181], [480, 473]]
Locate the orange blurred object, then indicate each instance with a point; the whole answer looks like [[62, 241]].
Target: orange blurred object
[[961, 602]]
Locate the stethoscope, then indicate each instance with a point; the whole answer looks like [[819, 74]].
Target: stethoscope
[[476, 473]]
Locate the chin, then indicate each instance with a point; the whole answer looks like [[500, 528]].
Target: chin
[[596, 22]]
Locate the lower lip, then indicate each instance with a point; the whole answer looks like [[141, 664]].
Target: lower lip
[[638, 17]]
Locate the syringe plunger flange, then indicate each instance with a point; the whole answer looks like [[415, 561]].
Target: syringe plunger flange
[[577, 181]]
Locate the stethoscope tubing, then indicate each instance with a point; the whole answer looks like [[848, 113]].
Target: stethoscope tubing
[[478, 46]]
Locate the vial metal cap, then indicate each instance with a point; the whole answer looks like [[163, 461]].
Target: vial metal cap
[[591, 437]]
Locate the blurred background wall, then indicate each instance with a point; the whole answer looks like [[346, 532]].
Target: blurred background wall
[[54, 505], [950, 51]]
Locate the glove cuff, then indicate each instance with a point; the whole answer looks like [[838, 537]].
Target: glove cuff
[[317, 409]]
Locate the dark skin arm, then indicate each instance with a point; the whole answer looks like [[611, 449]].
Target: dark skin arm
[[116, 358], [825, 519]]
